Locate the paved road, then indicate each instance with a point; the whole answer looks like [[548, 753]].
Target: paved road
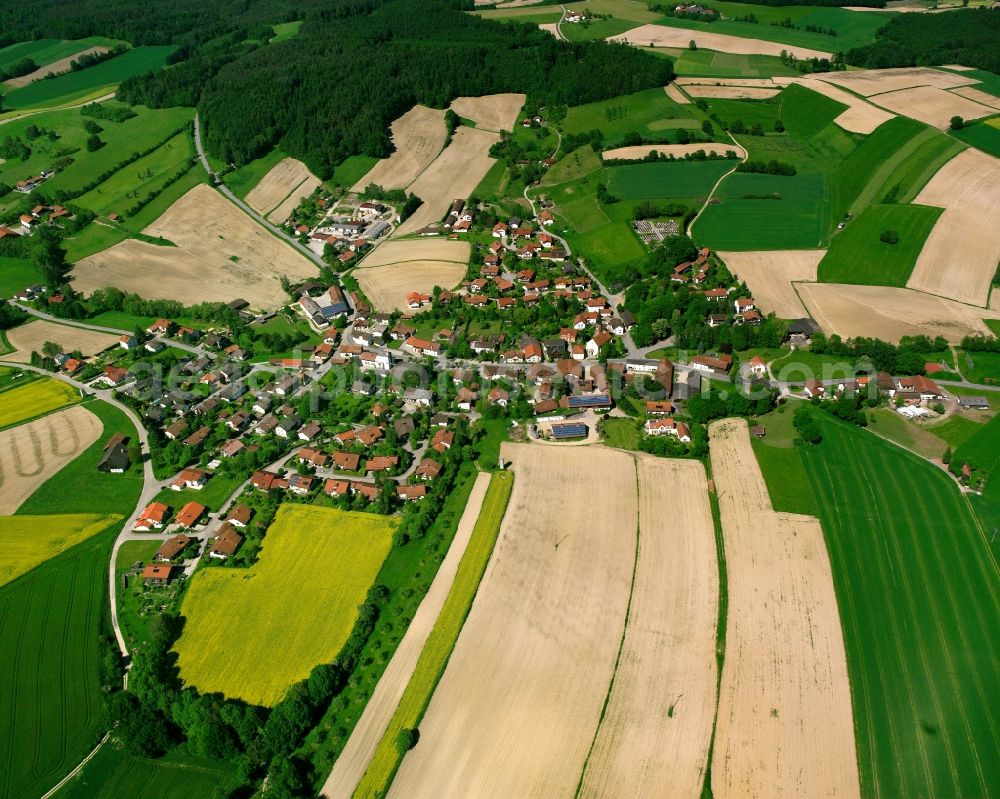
[[277, 231]]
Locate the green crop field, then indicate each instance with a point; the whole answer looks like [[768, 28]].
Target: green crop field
[[857, 255], [919, 599], [115, 774], [29, 541], [787, 482], [79, 488], [17, 274], [48, 51], [351, 170], [666, 178], [35, 399], [50, 692], [441, 641], [711, 63], [90, 82], [983, 135], [329, 556], [770, 33], [796, 217], [923, 163], [647, 112]]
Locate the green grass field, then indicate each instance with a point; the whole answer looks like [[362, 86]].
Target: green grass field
[[351, 170], [89, 82], [796, 219], [983, 135], [285, 30], [35, 399], [922, 164], [857, 255], [329, 556], [79, 488], [50, 692], [980, 367], [441, 641], [647, 112], [572, 166], [956, 430], [917, 587], [16, 274], [115, 774], [48, 51], [620, 433], [710, 63], [29, 541], [216, 491], [666, 178], [787, 482], [981, 451]]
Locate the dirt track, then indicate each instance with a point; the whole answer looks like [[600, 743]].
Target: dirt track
[[770, 274], [785, 725], [453, 175], [418, 137], [663, 36], [209, 232], [960, 256], [492, 112], [654, 737], [31, 336], [516, 709], [31, 453]]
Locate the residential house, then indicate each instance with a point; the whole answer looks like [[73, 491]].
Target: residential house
[[226, 542], [156, 574], [172, 547], [381, 463], [239, 515], [442, 440], [411, 492], [153, 517], [190, 514]]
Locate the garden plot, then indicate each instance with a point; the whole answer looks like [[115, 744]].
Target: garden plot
[[887, 312], [960, 256], [785, 725], [492, 112], [418, 137], [29, 338], [932, 105], [221, 255], [31, 453], [770, 275], [663, 36]]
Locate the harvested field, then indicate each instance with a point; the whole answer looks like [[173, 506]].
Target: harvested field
[[357, 753], [640, 151], [663, 36], [31, 453], [765, 83], [654, 737], [280, 181], [867, 82], [454, 174], [387, 286], [931, 105], [770, 275], [785, 724], [887, 312], [978, 95], [860, 116], [492, 112], [515, 712], [418, 137], [30, 337], [209, 232], [961, 253], [56, 67], [280, 214], [423, 249], [676, 94], [733, 92]]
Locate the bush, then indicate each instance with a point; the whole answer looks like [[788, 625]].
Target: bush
[[94, 143], [889, 237], [406, 740]]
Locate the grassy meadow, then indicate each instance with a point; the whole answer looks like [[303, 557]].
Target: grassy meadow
[[35, 399], [28, 541], [981, 451], [666, 178], [315, 568], [48, 51], [983, 135], [17, 274], [857, 255], [649, 113], [441, 641]]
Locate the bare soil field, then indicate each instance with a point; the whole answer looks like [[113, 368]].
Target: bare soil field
[[221, 254], [876, 81], [640, 151], [785, 725], [492, 112], [733, 92], [454, 174], [960, 256], [62, 65], [357, 754], [676, 94], [978, 96], [654, 737], [764, 83], [418, 137], [423, 249], [31, 453], [550, 27], [958, 67], [280, 214], [387, 286], [860, 116], [515, 712], [663, 36], [887, 312], [770, 275], [278, 183], [31, 336], [931, 105]]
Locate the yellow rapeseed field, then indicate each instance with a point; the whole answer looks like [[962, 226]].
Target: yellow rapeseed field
[[252, 633], [28, 541], [34, 399]]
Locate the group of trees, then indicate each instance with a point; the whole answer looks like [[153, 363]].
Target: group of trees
[[908, 357], [771, 167]]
